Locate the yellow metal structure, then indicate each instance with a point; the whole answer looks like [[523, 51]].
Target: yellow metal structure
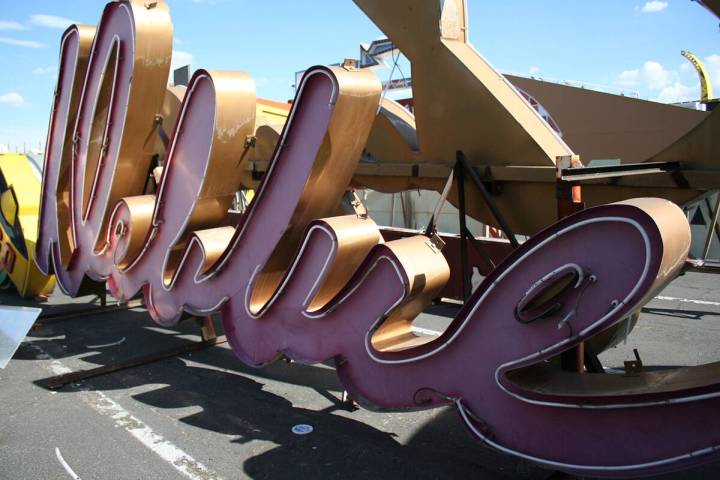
[[19, 208], [705, 84]]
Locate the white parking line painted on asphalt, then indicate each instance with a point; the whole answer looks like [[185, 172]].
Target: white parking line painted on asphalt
[[103, 404], [65, 465], [182, 462], [104, 345], [688, 300]]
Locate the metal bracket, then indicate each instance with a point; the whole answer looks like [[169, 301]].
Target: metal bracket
[[50, 318], [634, 366], [350, 64], [358, 206], [492, 206], [577, 173], [712, 228], [436, 243]]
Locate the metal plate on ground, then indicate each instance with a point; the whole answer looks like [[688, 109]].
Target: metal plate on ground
[[15, 322], [302, 429]]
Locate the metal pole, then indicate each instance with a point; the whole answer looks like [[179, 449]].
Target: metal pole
[[466, 285], [392, 211], [488, 198], [709, 207], [569, 201], [480, 250], [711, 227]]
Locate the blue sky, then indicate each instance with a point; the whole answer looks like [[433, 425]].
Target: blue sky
[[631, 46]]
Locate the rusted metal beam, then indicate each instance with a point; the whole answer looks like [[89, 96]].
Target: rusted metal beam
[[713, 225], [577, 174], [50, 318], [466, 276], [59, 381], [488, 198]]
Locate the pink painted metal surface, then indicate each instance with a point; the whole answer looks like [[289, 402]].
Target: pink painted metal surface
[[54, 212], [290, 279], [108, 154], [496, 250]]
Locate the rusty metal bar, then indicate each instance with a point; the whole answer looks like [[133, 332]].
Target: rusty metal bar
[[478, 246], [712, 227], [59, 381], [709, 207], [50, 318], [576, 174], [466, 280], [569, 201], [488, 198]]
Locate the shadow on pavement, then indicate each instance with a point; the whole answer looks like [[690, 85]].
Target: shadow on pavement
[[344, 444]]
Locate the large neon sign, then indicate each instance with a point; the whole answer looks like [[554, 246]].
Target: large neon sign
[[289, 277]]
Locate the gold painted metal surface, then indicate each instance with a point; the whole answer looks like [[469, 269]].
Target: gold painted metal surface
[[270, 118], [136, 231], [462, 103], [151, 68], [355, 238], [603, 126], [699, 148], [169, 115], [233, 108], [358, 94], [426, 281], [675, 233], [234, 122]]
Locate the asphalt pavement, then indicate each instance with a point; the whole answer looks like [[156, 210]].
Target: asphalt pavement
[[205, 415]]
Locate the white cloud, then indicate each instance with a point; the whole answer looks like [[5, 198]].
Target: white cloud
[[51, 21], [663, 84], [656, 76], [654, 6], [628, 78], [45, 70], [679, 92], [534, 70], [22, 43], [11, 25], [13, 99], [712, 63], [180, 59]]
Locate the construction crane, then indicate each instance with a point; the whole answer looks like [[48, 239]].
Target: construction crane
[[705, 84]]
